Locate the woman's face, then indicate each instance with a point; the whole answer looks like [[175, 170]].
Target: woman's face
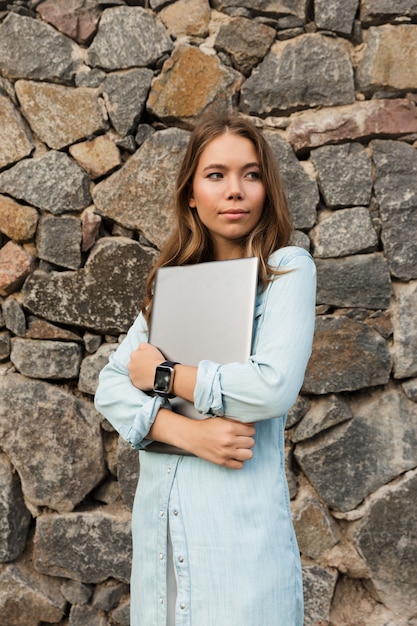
[[228, 193]]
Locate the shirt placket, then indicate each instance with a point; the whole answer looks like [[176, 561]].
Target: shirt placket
[[181, 560], [169, 469]]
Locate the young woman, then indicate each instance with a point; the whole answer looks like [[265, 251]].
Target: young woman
[[213, 546]]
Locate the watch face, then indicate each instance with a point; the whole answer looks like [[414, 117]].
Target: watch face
[[162, 382]]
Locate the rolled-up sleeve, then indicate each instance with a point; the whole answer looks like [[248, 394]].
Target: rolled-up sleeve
[[267, 385], [128, 409]]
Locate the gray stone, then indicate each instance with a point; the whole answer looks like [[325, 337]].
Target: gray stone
[[316, 530], [81, 546], [273, 8], [75, 592], [86, 616], [336, 15], [23, 589], [344, 175], [347, 355], [127, 471], [46, 359], [108, 595], [92, 342], [361, 280], [59, 241], [386, 537], [144, 37], [246, 41], [52, 182], [121, 614], [58, 451], [405, 330], [104, 296], [14, 516], [348, 231], [301, 240], [375, 9], [14, 317], [143, 133], [4, 345], [297, 411], [352, 460], [60, 115], [140, 194], [87, 77], [308, 71], [319, 584], [410, 389], [323, 413], [16, 142], [92, 366], [301, 191], [396, 191], [32, 49], [125, 96]]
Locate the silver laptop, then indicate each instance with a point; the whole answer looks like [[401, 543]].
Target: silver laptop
[[203, 311]]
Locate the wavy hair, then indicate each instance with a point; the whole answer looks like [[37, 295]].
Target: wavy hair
[[190, 241]]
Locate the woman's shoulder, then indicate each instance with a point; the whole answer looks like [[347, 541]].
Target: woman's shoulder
[[285, 255]]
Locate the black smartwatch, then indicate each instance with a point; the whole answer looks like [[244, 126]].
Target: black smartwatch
[[164, 379]]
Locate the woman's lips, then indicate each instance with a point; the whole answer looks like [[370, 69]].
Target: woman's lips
[[234, 213]]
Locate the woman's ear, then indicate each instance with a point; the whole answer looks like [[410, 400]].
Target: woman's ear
[[191, 201]]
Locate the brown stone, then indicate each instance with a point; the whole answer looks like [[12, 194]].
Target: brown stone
[[17, 222], [41, 329], [187, 18], [15, 141], [90, 227], [353, 121], [97, 156], [78, 19], [15, 265], [60, 115], [389, 60], [191, 82]]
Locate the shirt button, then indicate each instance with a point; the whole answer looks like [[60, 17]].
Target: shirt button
[[181, 559], [168, 470], [175, 512], [161, 600], [161, 557], [161, 513], [182, 606]]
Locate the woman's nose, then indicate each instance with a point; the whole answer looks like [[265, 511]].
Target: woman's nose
[[235, 189]]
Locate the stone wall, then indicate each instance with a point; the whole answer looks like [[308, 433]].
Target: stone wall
[[96, 101]]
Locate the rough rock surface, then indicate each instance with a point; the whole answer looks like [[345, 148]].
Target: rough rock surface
[[97, 99]]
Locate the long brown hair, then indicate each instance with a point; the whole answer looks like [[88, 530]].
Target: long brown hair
[[190, 241]]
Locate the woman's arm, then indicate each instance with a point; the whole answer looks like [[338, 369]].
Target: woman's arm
[[267, 385], [140, 418], [221, 441]]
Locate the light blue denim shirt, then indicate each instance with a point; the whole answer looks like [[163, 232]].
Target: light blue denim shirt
[[233, 541]]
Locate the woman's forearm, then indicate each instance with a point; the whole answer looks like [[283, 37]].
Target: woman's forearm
[[218, 440]]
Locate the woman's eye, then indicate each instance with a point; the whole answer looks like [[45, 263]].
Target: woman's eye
[[215, 175], [253, 175]]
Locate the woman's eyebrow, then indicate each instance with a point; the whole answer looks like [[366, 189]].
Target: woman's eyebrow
[[222, 166]]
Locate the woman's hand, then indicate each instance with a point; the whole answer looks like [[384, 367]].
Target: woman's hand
[[142, 365], [223, 441], [220, 440]]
